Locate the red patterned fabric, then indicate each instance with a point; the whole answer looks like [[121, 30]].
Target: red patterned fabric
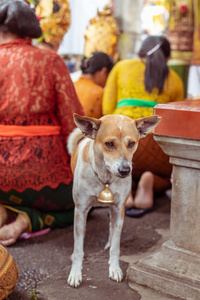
[[35, 89]]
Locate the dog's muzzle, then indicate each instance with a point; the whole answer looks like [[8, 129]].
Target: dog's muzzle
[[124, 170]]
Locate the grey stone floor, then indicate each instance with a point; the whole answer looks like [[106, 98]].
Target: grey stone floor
[[44, 262]]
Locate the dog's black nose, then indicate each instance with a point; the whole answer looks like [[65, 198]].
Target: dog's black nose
[[124, 170]]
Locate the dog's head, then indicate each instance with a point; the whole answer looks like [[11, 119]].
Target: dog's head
[[116, 139]]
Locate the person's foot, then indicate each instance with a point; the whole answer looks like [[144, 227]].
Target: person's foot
[[10, 233], [3, 215], [144, 194], [129, 201]]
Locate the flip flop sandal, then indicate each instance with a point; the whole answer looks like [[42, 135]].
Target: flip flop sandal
[[33, 234], [134, 212]]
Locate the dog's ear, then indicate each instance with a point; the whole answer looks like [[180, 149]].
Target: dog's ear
[[146, 124], [89, 126]]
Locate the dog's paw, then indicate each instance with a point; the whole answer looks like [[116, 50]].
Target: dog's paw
[[74, 279], [115, 273]]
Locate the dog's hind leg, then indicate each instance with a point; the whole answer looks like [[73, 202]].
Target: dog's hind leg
[[75, 276], [117, 220]]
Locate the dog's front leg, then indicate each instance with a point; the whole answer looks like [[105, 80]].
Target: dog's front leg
[[117, 220], [75, 276]]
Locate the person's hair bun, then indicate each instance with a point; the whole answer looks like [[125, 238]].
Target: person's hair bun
[[18, 18], [84, 63], [96, 62]]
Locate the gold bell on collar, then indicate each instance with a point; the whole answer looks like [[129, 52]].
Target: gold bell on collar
[[106, 195]]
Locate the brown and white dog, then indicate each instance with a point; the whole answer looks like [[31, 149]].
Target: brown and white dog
[[103, 156]]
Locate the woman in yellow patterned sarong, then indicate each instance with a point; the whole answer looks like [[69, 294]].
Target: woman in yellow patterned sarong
[[133, 88]]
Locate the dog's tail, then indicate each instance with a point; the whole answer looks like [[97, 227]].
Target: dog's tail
[[73, 139]]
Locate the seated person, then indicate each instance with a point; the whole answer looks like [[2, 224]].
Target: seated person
[[37, 102], [133, 88], [90, 86]]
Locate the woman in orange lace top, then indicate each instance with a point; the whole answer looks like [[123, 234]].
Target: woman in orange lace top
[[37, 102]]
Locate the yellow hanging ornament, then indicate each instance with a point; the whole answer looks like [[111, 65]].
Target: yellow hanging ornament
[[55, 20], [102, 34], [106, 195]]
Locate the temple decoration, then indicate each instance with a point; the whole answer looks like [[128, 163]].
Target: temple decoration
[[55, 20], [196, 44], [102, 34], [181, 28], [31, 3], [154, 16]]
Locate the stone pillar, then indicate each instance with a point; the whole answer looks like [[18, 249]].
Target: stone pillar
[[175, 269]]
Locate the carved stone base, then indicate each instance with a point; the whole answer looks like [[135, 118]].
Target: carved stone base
[[171, 271]]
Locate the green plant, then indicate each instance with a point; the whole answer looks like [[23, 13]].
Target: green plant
[[33, 295]]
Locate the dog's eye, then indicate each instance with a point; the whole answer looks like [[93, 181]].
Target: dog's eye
[[131, 144], [110, 145]]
